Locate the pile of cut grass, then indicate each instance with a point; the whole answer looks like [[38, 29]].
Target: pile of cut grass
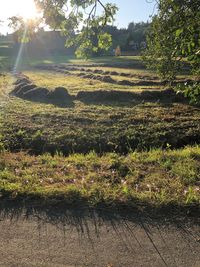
[[25, 89]]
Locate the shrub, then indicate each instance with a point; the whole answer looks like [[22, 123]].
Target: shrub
[[192, 91]]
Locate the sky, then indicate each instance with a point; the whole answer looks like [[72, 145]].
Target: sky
[[129, 11], [133, 10]]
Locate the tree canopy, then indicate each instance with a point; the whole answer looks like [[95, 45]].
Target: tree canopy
[[24, 30], [81, 21], [174, 37], [173, 42]]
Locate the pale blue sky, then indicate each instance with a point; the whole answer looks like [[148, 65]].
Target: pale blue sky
[[129, 10], [133, 10]]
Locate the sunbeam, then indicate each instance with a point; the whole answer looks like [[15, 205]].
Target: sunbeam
[[20, 52]]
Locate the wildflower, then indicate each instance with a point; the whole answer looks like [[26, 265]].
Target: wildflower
[[185, 192], [136, 187]]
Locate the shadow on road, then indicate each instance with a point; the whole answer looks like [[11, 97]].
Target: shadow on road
[[155, 236]]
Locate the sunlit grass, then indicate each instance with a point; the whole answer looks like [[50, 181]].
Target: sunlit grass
[[75, 84], [6, 81], [102, 127], [136, 71], [144, 166], [108, 179]]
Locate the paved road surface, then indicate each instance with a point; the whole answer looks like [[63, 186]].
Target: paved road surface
[[62, 237]]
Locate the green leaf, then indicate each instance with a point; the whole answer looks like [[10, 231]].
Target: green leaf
[[178, 32]]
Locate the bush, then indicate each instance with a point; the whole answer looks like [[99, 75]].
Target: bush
[[192, 91]]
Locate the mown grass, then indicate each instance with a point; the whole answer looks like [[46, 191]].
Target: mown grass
[[98, 152], [102, 127], [75, 84], [156, 177]]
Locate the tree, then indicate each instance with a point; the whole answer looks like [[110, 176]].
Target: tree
[[24, 31], [174, 39], [137, 33], [80, 22]]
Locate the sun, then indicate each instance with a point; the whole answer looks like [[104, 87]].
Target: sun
[[27, 9]]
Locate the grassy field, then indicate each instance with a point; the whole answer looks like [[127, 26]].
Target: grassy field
[[74, 84], [126, 151], [100, 127], [151, 178]]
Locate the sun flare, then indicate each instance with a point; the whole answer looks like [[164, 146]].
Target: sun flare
[[27, 9]]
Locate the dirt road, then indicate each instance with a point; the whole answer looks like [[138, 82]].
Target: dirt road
[[81, 237]]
